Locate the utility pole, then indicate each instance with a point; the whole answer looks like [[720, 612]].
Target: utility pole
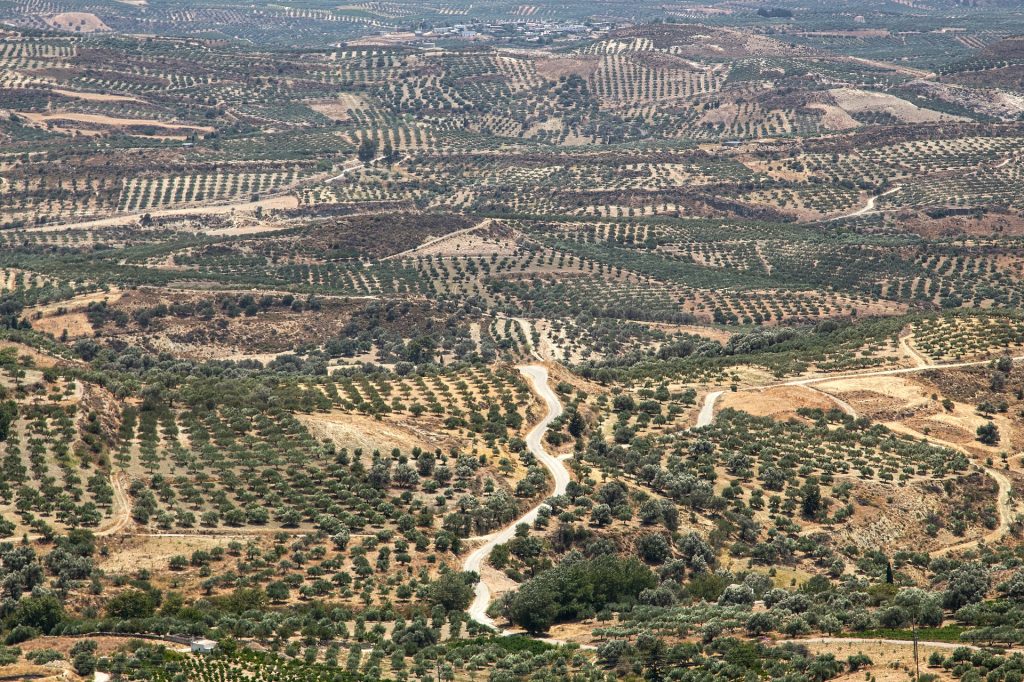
[[917, 661]]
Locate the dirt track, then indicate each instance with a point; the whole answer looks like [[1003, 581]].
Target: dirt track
[[537, 375], [868, 207], [1003, 503], [434, 241], [121, 512], [908, 349], [867, 640], [122, 508], [285, 201], [707, 410]]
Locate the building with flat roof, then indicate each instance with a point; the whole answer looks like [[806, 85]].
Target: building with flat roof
[[203, 646]]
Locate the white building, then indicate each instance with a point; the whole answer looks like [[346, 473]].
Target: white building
[[203, 646]]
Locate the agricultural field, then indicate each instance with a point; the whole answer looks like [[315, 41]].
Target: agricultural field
[[500, 341]]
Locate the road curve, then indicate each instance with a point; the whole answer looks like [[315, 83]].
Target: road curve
[[868, 207], [537, 375], [1004, 505], [840, 403], [707, 410], [121, 512], [908, 349]]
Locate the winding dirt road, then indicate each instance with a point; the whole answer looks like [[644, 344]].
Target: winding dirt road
[[1005, 508], [121, 512], [707, 411], [1004, 505], [840, 403], [537, 375], [868, 207]]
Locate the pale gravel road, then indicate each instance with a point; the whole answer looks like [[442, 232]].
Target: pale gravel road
[[537, 375]]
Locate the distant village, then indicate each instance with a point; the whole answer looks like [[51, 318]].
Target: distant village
[[528, 31], [515, 32]]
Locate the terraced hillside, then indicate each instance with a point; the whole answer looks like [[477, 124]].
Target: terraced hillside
[[681, 341]]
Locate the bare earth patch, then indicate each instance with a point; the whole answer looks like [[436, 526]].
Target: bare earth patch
[[780, 402], [79, 22], [110, 121], [882, 397], [834, 118], [855, 101], [338, 109], [129, 553], [354, 431], [96, 96], [69, 316], [553, 68]]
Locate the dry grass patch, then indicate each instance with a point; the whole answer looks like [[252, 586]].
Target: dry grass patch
[[69, 325], [338, 109], [352, 431], [882, 396], [19, 672], [856, 101], [553, 68], [68, 316], [890, 662], [779, 403], [78, 22], [110, 121], [834, 118], [130, 553]]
